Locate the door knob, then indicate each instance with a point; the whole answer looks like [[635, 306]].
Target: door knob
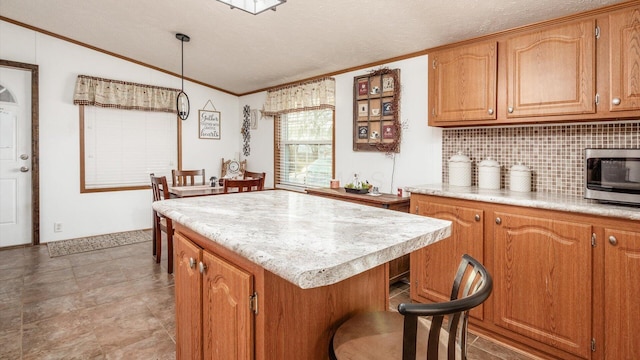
[[613, 240], [498, 221], [615, 101], [192, 263], [203, 267], [490, 111], [510, 109], [477, 217], [24, 169], [24, 156]]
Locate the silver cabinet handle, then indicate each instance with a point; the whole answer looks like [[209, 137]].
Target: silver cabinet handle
[[24, 157], [192, 263], [203, 267], [615, 101], [477, 217], [510, 109], [498, 221], [24, 169], [490, 111], [613, 240]]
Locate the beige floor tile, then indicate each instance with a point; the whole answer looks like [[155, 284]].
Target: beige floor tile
[[113, 303]]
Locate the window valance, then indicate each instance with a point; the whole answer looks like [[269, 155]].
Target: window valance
[[311, 95], [108, 93]]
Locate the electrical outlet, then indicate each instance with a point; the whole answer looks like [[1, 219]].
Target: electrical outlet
[[57, 227]]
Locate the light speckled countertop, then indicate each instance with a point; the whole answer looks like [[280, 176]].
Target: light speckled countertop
[[308, 240], [530, 199]]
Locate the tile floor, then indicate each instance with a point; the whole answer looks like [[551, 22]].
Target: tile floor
[[114, 303]]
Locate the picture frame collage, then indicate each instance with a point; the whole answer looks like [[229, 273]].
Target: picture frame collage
[[375, 111]]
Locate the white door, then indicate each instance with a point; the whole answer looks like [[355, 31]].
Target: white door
[[15, 157]]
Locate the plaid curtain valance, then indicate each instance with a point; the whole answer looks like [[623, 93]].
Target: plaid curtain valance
[[311, 95], [125, 95]]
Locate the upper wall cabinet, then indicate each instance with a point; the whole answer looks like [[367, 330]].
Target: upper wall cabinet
[[624, 60], [552, 71], [580, 68], [462, 83]]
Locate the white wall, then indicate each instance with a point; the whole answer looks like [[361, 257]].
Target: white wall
[[420, 157], [418, 162], [60, 200], [260, 157]]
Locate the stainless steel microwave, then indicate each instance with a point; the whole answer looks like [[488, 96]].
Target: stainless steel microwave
[[613, 175]]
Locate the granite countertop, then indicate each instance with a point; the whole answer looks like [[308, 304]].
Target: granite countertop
[[549, 201], [308, 240]]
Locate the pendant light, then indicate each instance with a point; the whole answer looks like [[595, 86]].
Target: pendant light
[[182, 101]]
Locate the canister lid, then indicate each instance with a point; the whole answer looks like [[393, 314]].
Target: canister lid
[[519, 167], [489, 162], [459, 158]]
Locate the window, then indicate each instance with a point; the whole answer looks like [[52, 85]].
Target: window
[[120, 148], [304, 149]]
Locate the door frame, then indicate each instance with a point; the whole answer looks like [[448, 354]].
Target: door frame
[[35, 155]]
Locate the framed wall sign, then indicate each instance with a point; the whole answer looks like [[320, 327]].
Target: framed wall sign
[[209, 124], [376, 120]]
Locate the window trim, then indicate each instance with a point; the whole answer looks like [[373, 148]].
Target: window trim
[[84, 189]]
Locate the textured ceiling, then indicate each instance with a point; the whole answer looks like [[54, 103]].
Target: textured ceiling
[[239, 52]]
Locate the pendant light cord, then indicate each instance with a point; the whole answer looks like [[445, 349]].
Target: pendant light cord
[[182, 51]]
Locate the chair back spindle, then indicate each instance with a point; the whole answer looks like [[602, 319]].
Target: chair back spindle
[[187, 177]]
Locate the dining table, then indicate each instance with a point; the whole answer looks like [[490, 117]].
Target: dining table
[[195, 190]]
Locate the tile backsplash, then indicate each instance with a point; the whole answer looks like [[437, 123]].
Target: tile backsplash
[[554, 153]]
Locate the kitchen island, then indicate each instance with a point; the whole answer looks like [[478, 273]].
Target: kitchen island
[[271, 274]]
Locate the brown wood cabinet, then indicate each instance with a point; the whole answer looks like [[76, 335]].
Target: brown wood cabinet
[[566, 286], [621, 293], [552, 71], [462, 83], [579, 68], [542, 272], [235, 309], [213, 305], [434, 267], [624, 60]]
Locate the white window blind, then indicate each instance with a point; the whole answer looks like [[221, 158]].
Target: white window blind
[[304, 149], [122, 147]]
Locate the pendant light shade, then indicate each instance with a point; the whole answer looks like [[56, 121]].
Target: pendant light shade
[[182, 101], [254, 7]]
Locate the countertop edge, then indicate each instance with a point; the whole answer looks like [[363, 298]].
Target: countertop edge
[[549, 201]]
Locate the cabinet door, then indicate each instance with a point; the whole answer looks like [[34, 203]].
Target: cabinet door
[[543, 280], [188, 287], [434, 267], [622, 294], [624, 59], [463, 83], [552, 72], [227, 316]]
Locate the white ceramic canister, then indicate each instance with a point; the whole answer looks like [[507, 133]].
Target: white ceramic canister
[[489, 174], [520, 178], [459, 170]]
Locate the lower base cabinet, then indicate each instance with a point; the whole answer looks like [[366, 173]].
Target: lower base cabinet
[[214, 297], [543, 284], [230, 308], [566, 286], [621, 290], [434, 267]]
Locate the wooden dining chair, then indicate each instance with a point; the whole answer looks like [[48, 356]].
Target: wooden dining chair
[[243, 185], [161, 223], [255, 175], [404, 334], [187, 177]]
